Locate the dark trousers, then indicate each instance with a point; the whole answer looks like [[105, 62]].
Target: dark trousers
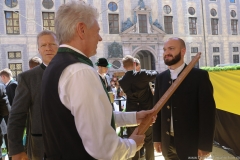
[[5, 135], [172, 154], [148, 144]]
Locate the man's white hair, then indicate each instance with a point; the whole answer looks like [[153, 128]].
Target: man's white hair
[[71, 13], [136, 60]]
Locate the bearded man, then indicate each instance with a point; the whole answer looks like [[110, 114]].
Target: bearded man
[[184, 127]]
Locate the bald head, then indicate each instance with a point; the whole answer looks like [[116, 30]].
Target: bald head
[[179, 40], [174, 51]]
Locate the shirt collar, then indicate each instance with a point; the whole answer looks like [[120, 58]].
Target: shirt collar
[[102, 75], [71, 47], [175, 72]]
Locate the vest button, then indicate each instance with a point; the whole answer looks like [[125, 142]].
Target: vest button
[[168, 107], [167, 133], [168, 119]]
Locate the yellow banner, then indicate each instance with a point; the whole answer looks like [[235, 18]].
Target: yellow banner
[[226, 86]]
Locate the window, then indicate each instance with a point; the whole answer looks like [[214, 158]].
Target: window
[[192, 25], [214, 23], [116, 64], [142, 23], [194, 49], [191, 10], [213, 12], [113, 23], [233, 13], [48, 4], [215, 49], [234, 26], [235, 49], [212, 0], [11, 3], [14, 55], [197, 64], [216, 60], [112, 6], [48, 20], [168, 24], [167, 9], [235, 58], [12, 22], [16, 69], [232, 1]]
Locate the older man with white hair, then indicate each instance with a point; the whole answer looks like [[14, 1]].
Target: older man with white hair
[[78, 121]]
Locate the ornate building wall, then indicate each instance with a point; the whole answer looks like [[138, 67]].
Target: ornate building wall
[[131, 36]]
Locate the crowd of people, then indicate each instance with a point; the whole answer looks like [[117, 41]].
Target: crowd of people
[[65, 105]]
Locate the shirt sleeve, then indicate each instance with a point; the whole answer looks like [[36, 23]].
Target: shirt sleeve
[[127, 119], [81, 91]]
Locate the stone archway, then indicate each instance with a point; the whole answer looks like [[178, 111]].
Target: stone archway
[[146, 59]]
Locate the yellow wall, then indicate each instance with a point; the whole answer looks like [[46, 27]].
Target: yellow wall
[[226, 86]]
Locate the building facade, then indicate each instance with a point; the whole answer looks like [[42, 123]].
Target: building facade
[[134, 27]]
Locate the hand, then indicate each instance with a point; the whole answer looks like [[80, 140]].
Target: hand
[[139, 139], [158, 146], [142, 114], [20, 156], [203, 154]]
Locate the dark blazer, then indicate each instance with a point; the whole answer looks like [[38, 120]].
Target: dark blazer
[[193, 108], [4, 103], [27, 100], [136, 87], [10, 89]]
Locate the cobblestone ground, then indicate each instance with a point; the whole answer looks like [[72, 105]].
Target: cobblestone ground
[[217, 154]]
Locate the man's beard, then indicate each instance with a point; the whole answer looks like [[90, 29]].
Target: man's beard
[[175, 60]]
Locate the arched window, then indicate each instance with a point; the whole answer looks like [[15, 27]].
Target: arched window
[[116, 64], [167, 9], [112, 6], [48, 4], [11, 3], [213, 12], [233, 13], [191, 10]]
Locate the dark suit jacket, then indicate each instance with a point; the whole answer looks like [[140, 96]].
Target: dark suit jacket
[[4, 103], [193, 108], [27, 100], [136, 87], [4, 106], [10, 89]]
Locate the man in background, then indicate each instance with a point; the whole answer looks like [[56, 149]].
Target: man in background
[[35, 61], [138, 68], [138, 65], [4, 111], [135, 85], [103, 67], [10, 83], [27, 102]]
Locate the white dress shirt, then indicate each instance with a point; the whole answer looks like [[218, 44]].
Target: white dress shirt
[[174, 73], [81, 91]]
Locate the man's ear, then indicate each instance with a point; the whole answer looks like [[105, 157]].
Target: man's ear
[[81, 29], [183, 51]]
